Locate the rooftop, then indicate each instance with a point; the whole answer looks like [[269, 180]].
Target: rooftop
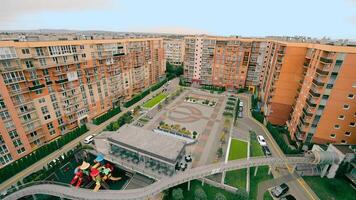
[[147, 142], [345, 148]]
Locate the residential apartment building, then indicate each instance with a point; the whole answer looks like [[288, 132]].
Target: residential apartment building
[[229, 62], [51, 87], [174, 51], [311, 88]]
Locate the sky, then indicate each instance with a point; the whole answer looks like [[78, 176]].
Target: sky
[[314, 18]]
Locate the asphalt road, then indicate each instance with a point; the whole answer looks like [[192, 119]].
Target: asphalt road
[[298, 187], [93, 129]]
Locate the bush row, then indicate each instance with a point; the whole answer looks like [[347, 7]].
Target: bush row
[[277, 134], [107, 115], [26, 161], [124, 119], [213, 88]]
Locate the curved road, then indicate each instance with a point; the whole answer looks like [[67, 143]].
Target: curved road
[[155, 188]]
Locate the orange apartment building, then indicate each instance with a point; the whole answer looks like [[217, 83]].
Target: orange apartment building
[[311, 88], [48, 88], [223, 61]]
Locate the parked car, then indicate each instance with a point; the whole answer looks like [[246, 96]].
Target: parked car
[[241, 104], [177, 167], [183, 166], [288, 197], [261, 140], [240, 115], [188, 158], [89, 139], [280, 190], [240, 108], [266, 151]]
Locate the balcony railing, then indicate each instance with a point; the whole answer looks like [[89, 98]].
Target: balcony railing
[[307, 113], [326, 60], [61, 80], [318, 83], [321, 71], [314, 93], [36, 87], [310, 103]]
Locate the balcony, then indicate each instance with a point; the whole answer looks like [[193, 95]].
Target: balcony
[[306, 64], [322, 71], [314, 93], [311, 103], [118, 54], [326, 60], [61, 80], [307, 113], [36, 87], [318, 82], [19, 91]]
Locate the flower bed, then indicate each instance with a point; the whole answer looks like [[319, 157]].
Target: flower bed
[[177, 130], [200, 101]]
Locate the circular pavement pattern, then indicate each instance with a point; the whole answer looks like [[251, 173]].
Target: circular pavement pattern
[[185, 114]]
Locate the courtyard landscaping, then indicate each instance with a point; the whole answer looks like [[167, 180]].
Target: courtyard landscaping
[[238, 150], [230, 107], [176, 129], [331, 189], [200, 101], [155, 100]]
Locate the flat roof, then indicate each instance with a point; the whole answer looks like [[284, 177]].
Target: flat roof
[[147, 142]]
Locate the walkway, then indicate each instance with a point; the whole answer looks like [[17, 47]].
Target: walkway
[[157, 187]]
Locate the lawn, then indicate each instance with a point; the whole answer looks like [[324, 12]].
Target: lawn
[[155, 100], [267, 196], [237, 178], [255, 149], [210, 191], [331, 189]]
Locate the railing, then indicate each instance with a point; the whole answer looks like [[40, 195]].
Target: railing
[[322, 71], [326, 60], [318, 83]]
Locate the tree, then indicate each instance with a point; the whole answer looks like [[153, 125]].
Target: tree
[[199, 194], [195, 134], [220, 196], [220, 152], [177, 194], [241, 195]]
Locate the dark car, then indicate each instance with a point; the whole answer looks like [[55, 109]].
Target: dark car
[[280, 190], [266, 151], [188, 158], [288, 197]]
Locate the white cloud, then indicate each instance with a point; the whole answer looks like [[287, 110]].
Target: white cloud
[[12, 10]]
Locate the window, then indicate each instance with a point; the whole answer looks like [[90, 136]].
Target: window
[[47, 117], [53, 97], [27, 117], [5, 159], [21, 150], [346, 106], [44, 110], [352, 124], [17, 142], [343, 142], [336, 126], [58, 113], [350, 96], [28, 64], [42, 100], [13, 134], [25, 51], [37, 142], [342, 117], [42, 61], [2, 104], [39, 51], [49, 125], [4, 115], [348, 133], [33, 134], [52, 132], [333, 135]]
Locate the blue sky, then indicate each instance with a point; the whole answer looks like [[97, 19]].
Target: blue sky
[[315, 18]]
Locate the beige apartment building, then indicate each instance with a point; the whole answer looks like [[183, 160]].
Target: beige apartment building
[[51, 87], [174, 51]]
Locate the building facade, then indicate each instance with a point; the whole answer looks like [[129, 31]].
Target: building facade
[[49, 88], [174, 51], [226, 62]]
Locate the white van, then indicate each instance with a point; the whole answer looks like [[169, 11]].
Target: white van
[[241, 104], [89, 139]]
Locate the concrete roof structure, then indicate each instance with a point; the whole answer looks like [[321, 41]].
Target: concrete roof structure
[[345, 148], [147, 142]]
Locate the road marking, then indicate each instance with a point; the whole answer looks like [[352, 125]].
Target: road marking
[[278, 151]]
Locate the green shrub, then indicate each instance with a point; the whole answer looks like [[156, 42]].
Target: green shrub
[[278, 137], [106, 116]]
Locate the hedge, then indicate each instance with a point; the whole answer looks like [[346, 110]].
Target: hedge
[[277, 134], [15, 167], [124, 119], [109, 114], [258, 116], [213, 88]]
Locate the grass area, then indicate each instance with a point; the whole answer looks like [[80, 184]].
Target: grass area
[[155, 100], [210, 191], [262, 175], [267, 196], [237, 178], [331, 189], [255, 149]]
